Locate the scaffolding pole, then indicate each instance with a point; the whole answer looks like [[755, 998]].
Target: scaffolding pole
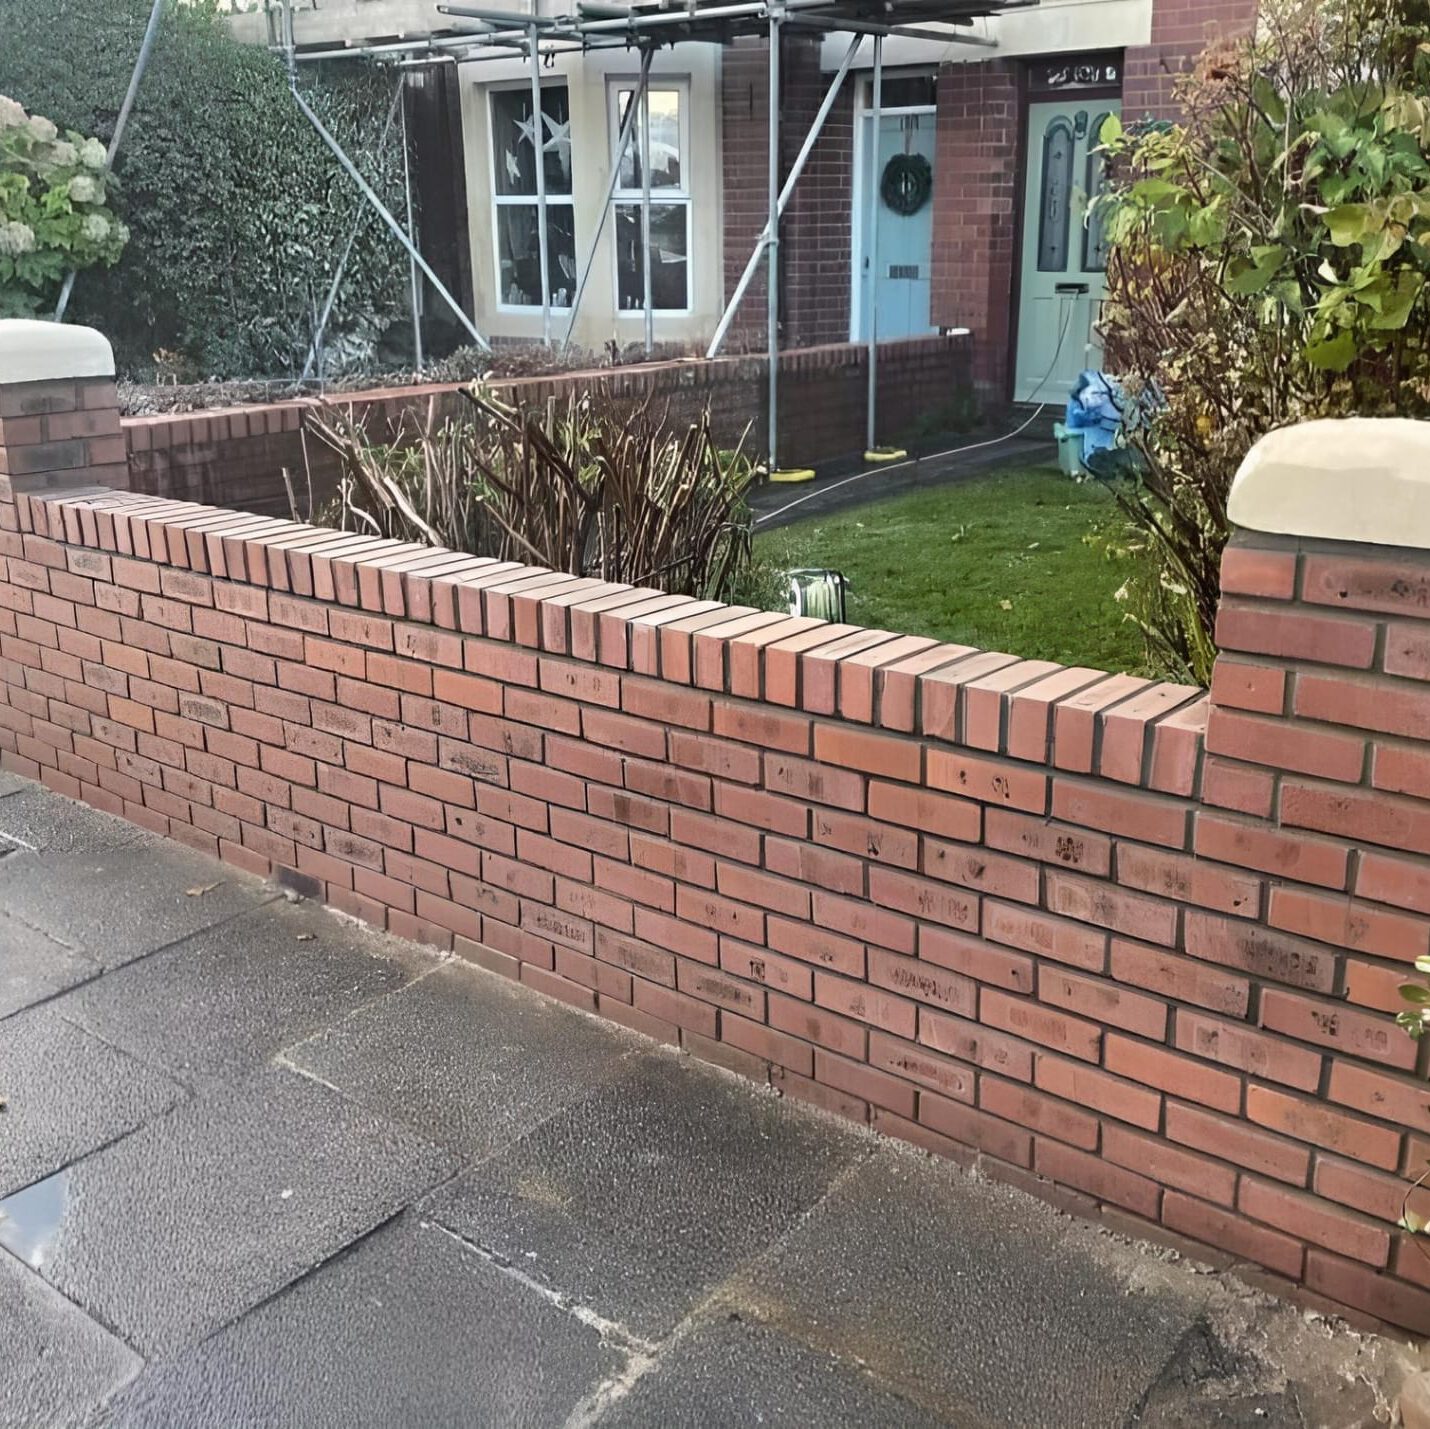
[[796, 169], [411, 228], [136, 78], [772, 272], [872, 261], [645, 223], [623, 144], [538, 138], [366, 189]]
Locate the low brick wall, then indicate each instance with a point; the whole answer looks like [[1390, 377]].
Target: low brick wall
[[1122, 942], [236, 457]]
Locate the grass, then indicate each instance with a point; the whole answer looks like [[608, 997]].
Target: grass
[[1009, 561]]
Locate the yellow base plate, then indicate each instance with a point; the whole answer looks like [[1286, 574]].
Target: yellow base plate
[[793, 473], [885, 454]]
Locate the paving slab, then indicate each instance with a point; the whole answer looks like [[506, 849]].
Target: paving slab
[[34, 967], [729, 1372], [37, 819], [220, 1002], [468, 1060], [409, 1327], [116, 904], [641, 1198], [179, 1228], [67, 1093], [56, 1363], [983, 1306], [13, 783]]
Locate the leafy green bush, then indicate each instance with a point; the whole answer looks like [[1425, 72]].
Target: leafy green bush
[[53, 213], [238, 212], [1268, 266]]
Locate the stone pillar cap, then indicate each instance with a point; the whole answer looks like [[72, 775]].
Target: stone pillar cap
[[35, 351], [1351, 479]]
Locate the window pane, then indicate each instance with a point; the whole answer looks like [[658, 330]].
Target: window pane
[[1056, 197], [904, 91], [519, 254], [513, 141], [669, 243], [665, 156], [1094, 237]]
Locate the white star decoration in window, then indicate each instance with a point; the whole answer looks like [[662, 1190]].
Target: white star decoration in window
[[560, 133]]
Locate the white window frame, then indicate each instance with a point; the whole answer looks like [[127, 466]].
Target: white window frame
[[500, 201], [631, 197]]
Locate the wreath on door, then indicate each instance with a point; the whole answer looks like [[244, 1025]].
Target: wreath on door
[[907, 183]]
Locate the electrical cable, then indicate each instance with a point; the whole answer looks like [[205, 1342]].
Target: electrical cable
[[886, 468]]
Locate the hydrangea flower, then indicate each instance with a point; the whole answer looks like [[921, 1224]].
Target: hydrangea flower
[[12, 113], [84, 188], [63, 154], [91, 154], [95, 227], [43, 129], [16, 238]]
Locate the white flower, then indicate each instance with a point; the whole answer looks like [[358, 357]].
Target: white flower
[[121, 233], [16, 238], [43, 129], [91, 154], [84, 188], [12, 113], [63, 154], [95, 227]]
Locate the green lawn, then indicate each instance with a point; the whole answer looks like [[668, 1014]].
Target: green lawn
[[1009, 561]]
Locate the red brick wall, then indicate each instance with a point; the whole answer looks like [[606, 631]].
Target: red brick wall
[[817, 230], [744, 114], [1181, 29], [976, 211], [815, 233], [236, 458], [1014, 913]]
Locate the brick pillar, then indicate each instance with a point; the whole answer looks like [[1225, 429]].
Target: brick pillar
[[975, 201], [1318, 774], [59, 413]]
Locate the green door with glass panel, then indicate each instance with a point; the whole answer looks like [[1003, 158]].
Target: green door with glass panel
[[1063, 258]]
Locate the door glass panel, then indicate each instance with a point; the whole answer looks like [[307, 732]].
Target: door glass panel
[[1094, 235], [1055, 199]]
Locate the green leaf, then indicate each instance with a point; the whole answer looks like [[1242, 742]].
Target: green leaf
[[1267, 99], [1333, 354], [1111, 130], [1417, 994], [1255, 275], [1349, 223], [1398, 303]]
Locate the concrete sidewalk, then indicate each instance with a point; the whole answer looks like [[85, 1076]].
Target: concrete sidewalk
[[262, 1167]]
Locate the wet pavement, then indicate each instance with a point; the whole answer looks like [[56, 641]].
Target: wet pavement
[[259, 1166]]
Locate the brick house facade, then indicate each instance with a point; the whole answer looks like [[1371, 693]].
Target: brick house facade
[[981, 157]]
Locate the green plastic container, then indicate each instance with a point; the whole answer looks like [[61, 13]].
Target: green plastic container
[[1069, 441]]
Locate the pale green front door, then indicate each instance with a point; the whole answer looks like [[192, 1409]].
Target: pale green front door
[[1062, 282]]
